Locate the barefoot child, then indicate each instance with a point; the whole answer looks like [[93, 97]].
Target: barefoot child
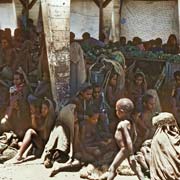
[[125, 136]]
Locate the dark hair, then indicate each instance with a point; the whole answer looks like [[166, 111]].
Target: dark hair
[[86, 35], [176, 73], [46, 102], [122, 40], [21, 76], [147, 97], [92, 111], [170, 37], [138, 74], [84, 87], [158, 42], [96, 85]]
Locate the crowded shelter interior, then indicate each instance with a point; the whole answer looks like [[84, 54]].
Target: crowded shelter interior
[[91, 82]]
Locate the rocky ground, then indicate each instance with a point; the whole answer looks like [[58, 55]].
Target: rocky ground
[[35, 171]]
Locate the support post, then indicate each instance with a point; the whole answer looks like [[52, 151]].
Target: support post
[[56, 21]]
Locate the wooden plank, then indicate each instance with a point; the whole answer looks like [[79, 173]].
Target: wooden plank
[[56, 22], [106, 2]]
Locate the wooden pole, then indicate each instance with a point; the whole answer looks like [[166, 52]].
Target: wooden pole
[[179, 18], [56, 21], [101, 20], [115, 29]]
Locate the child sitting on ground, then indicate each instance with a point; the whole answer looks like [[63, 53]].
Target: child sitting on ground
[[92, 142]]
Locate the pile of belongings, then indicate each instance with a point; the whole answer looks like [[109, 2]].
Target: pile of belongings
[[112, 51]]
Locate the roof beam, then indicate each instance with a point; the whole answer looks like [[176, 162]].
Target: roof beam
[[106, 2], [27, 4], [5, 1], [97, 2]]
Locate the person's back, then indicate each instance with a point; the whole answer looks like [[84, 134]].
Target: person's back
[[165, 163]]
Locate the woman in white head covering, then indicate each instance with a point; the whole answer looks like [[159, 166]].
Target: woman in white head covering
[[165, 148]]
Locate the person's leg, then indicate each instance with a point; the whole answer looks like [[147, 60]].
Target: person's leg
[[137, 169], [30, 133]]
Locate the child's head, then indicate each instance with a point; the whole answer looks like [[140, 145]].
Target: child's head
[[136, 41], [113, 79], [148, 102], [86, 91], [139, 78], [86, 36], [72, 36], [123, 40], [45, 108], [93, 117], [124, 107], [177, 77], [158, 42], [4, 43], [96, 91], [18, 78]]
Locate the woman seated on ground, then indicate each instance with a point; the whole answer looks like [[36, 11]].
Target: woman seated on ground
[[38, 135], [165, 149]]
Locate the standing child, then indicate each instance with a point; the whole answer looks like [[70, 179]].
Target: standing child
[[125, 136]]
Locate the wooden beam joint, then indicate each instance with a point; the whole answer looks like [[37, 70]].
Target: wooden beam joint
[[106, 2]]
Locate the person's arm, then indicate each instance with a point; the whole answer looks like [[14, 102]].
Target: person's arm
[[128, 139], [110, 96]]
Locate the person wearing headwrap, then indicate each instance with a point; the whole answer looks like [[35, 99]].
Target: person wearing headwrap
[[77, 67], [137, 89], [63, 143], [165, 148]]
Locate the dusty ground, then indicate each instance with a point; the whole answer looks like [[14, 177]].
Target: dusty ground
[[35, 171]]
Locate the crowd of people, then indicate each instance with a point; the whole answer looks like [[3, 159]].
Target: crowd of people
[[83, 130]]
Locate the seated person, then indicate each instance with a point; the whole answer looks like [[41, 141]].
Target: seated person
[[89, 41], [83, 102], [38, 135], [143, 123], [17, 116], [100, 106], [112, 95], [42, 90], [171, 47], [165, 151], [64, 144], [93, 144], [137, 89], [176, 97]]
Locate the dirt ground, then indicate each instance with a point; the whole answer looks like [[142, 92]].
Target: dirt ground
[[35, 171]]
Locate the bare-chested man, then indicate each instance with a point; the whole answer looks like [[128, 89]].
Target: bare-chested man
[[125, 136]]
